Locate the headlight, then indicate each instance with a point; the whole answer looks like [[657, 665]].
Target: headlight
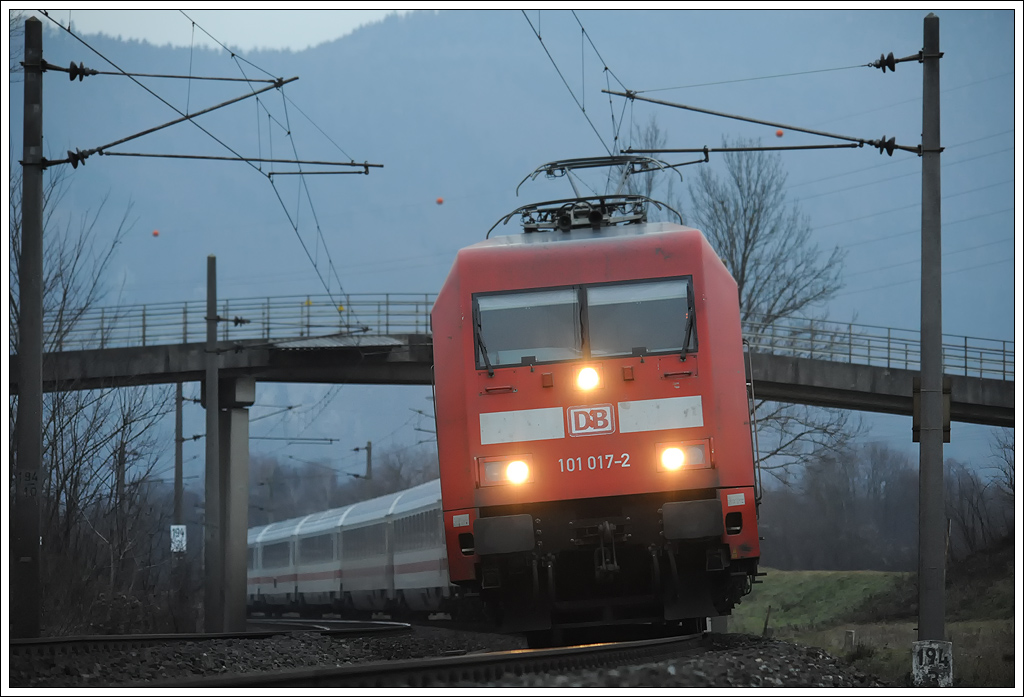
[[517, 472], [676, 456], [504, 470], [587, 379], [672, 458]]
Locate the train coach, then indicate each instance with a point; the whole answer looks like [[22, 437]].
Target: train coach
[[593, 421], [382, 555]]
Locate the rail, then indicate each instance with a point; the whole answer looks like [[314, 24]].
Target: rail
[[442, 671], [286, 317]]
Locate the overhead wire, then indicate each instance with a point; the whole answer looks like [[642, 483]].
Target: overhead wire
[[571, 93], [304, 186], [918, 259], [607, 71], [901, 176], [747, 79], [191, 51], [890, 162], [912, 205], [918, 229], [218, 42], [316, 219], [918, 280], [185, 115], [317, 127], [391, 435], [633, 93], [321, 405], [915, 99], [164, 101], [600, 57]]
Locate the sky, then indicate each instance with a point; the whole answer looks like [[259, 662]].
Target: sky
[[871, 296], [293, 30]]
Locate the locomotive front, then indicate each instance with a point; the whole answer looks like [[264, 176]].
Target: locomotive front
[[593, 428]]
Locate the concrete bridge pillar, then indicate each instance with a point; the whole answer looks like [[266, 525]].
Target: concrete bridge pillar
[[235, 396]]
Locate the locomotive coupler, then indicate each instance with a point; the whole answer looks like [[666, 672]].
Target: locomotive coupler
[[607, 561]]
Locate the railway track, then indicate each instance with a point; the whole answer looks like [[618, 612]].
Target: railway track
[[257, 629], [448, 670]]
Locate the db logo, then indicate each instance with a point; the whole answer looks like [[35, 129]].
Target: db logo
[[590, 420]]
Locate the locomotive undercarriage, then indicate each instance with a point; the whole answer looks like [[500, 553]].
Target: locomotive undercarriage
[[590, 570]]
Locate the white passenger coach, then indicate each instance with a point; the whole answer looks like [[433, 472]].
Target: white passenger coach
[[385, 554]]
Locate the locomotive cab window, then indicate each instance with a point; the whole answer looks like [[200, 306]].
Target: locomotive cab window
[[581, 322], [532, 327], [639, 318]]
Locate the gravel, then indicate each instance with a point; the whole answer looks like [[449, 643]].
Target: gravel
[[193, 659], [733, 661]]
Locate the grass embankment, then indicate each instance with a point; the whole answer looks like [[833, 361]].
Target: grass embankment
[[817, 608]]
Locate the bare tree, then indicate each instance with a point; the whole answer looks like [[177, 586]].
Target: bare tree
[[656, 184], [965, 500], [765, 242], [17, 44], [979, 512], [781, 274], [848, 509], [90, 525], [650, 137], [1003, 451], [395, 470], [279, 490]]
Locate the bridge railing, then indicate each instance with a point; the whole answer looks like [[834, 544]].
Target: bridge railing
[[294, 316], [879, 346], [280, 317]]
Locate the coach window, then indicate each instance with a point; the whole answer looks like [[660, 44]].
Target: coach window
[[432, 524], [524, 328], [316, 549], [639, 318], [277, 554]]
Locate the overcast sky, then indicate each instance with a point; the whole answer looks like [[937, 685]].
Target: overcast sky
[[253, 29]]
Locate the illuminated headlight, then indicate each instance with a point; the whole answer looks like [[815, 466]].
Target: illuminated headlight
[[504, 470], [517, 472], [676, 456], [672, 458], [588, 379]]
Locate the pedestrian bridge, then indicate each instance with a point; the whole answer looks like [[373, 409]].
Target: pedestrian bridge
[[385, 339]]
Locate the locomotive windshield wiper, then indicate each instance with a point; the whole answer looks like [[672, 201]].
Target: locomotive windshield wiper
[[686, 334], [478, 334]]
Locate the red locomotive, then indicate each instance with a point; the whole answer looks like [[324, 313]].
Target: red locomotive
[[593, 422]]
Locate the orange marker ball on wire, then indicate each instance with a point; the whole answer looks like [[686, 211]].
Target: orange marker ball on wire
[[156, 233], [778, 133], [440, 200]]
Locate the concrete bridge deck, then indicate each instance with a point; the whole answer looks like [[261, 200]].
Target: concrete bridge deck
[[385, 339], [406, 359]]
